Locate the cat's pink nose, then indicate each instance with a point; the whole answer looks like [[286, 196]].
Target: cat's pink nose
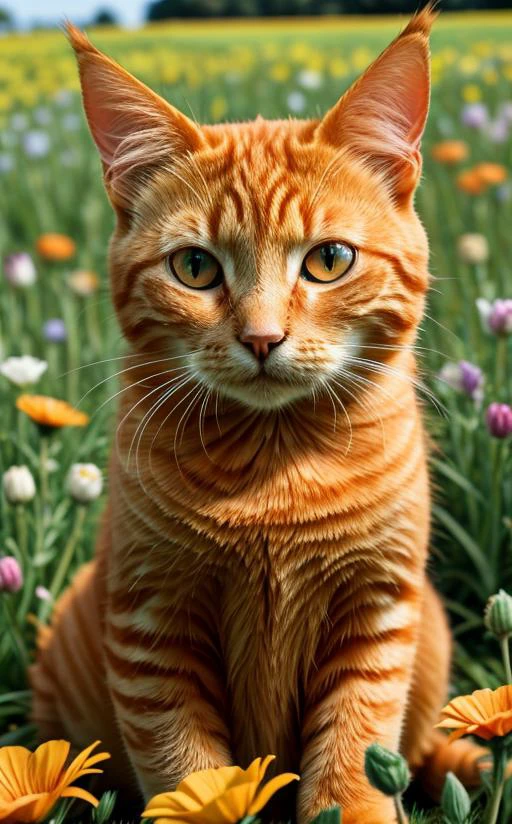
[[262, 341]]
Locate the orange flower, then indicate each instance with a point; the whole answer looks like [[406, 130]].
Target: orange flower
[[32, 783], [486, 714], [50, 412], [471, 182], [450, 151], [491, 173], [218, 796], [56, 247]]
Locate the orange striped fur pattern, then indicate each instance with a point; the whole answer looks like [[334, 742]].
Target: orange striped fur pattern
[[260, 585]]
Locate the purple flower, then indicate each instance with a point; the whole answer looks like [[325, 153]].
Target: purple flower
[[54, 330], [11, 576], [464, 377], [471, 378], [19, 269], [475, 115], [496, 316], [499, 420]]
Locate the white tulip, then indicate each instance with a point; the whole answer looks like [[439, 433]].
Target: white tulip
[[473, 248], [23, 371], [85, 482], [19, 486]]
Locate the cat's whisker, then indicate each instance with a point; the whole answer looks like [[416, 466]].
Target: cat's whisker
[[162, 401], [373, 410], [202, 413], [386, 369], [189, 407], [125, 357], [141, 400], [347, 416], [148, 414]]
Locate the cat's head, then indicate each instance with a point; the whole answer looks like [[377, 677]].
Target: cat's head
[[271, 254]]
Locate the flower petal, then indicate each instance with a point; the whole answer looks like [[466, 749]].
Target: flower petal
[[13, 765], [266, 793], [74, 770], [79, 792], [205, 785], [171, 804], [46, 764]]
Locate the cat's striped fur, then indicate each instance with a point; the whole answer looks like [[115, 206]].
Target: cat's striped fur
[[260, 583]]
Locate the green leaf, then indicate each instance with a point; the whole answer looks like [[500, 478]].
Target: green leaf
[[472, 549], [331, 816]]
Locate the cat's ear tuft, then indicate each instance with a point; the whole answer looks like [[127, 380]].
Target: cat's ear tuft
[[382, 116], [134, 129]]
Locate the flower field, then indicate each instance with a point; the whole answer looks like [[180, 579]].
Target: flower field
[[55, 305]]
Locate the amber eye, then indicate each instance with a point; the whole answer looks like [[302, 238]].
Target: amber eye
[[195, 268], [328, 262]]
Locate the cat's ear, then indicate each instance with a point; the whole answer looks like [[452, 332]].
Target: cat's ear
[[133, 128], [382, 116]]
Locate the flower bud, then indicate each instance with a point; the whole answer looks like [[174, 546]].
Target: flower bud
[[386, 771], [11, 576], [498, 614], [455, 801], [499, 420], [19, 486], [85, 482]]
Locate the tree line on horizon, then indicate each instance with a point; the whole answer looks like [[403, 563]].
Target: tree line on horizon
[[167, 9]]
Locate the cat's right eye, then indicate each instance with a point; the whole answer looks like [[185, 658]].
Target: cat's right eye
[[195, 268]]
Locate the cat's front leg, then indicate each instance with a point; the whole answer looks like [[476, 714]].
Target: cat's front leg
[[168, 691], [356, 696]]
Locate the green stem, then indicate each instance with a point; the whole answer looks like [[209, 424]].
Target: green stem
[[400, 812], [505, 652], [498, 783], [15, 631], [65, 559], [43, 471], [28, 566]]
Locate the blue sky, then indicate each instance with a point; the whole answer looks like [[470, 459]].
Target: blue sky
[[130, 12]]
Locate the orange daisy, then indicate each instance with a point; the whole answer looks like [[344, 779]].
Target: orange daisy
[[485, 713], [53, 246], [50, 412], [471, 182], [450, 151], [31, 783], [226, 794], [491, 174]]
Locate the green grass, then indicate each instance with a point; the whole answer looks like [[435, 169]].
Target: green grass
[[247, 71]]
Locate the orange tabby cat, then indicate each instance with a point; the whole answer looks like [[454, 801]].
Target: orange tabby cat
[[259, 585]]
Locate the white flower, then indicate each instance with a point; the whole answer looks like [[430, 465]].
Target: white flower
[[19, 269], [36, 143], [23, 371], [296, 101], [473, 248], [309, 79], [85, 482], [19, 486]]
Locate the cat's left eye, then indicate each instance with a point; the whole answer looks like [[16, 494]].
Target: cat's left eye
[[195, 268], [328, 262]]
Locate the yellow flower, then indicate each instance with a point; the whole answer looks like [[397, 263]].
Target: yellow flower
[[472, 93], [32, 783], [221, 796], [485, 713], [218, 108], [50, 412]]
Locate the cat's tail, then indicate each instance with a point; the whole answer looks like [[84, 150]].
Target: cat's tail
[[462, 757]]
